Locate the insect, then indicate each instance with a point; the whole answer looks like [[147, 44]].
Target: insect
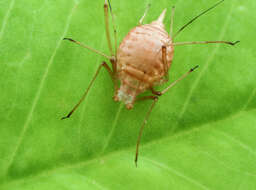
[[141, 61]]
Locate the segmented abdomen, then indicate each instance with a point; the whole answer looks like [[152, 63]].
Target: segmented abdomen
[[139, 58]]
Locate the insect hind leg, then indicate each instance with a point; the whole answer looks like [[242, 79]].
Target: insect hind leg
[[155, 99]]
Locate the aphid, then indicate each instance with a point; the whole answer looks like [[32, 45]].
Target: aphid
[[141, 61]]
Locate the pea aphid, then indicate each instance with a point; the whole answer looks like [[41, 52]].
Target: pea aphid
[[141, 61]]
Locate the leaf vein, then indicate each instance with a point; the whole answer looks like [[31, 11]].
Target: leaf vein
[[196, 82], [38, 93], [96, 184], [225, 165], [84, 105], [177, 173], [6, 17], [106, 143], [239, 142], [249, 99], [17, 82]]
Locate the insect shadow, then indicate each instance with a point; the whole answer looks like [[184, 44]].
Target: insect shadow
[[142, 61]]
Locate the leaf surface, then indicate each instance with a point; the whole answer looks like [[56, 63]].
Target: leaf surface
[[201, 134]]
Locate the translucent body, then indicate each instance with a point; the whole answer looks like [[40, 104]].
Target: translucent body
[[140, 64]]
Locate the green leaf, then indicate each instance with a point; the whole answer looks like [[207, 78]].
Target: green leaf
[[201, 134]]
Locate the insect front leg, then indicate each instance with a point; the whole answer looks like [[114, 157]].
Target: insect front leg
[[196, 17], [104, 65], [113, 56], [107, 27], [87, 47], [106, 5]]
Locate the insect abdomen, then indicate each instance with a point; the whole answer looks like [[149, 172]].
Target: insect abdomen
[[140, 65], [140, 53]]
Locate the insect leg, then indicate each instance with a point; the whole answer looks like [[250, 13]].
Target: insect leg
[[103, 64], [114, 25], [171, 25], [164, 58], [205, 42], [87, 47], [159, 93], [145, 13], [196, 17], [155, 92], [155, 99], [107, 27]]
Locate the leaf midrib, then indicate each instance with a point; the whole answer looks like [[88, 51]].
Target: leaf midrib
[[87, 162]]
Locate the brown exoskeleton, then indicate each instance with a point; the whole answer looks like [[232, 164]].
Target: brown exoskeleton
[[141, 62]]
